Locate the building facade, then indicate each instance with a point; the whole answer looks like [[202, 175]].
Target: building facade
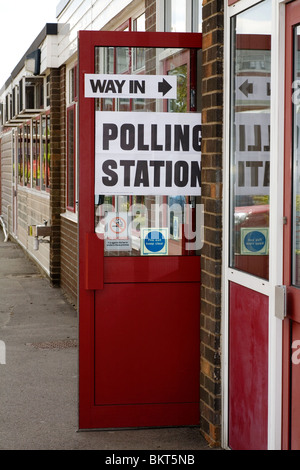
[[242, 82]]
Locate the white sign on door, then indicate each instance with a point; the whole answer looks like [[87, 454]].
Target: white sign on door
[[148, 153], [130, 86]]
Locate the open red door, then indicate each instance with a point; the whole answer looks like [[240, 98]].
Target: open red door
[[139, 189]]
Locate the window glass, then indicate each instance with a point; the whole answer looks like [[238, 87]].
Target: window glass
[[36, 162], [34, 93], [45, 133], [27, 146], [139, 24], [197, 16], [71, 158], [73, 84], [183, 15], [48, 163], [20, 156], [250, 139], [151, 207], [48, 90], [178, 15]]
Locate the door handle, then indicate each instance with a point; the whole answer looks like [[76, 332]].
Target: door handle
[[280, 302]]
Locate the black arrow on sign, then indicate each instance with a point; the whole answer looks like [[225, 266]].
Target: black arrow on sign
[[246, 88], [164, 87]]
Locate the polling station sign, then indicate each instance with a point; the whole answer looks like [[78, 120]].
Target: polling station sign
[[147, 153], [252, 138]]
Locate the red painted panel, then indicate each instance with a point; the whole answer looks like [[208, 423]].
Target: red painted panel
[[248, 369], [147, 345], [160, 309], [152, 269], [140, 416], [90, 39], [256, 265], [295, 387]]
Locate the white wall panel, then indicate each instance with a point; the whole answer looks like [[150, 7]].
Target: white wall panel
[[86, 15]]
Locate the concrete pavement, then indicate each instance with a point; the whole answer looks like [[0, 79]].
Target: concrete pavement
[[38, 383]]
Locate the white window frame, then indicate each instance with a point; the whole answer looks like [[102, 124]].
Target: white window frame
[[70, 214]]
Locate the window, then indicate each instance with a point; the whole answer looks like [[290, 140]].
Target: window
[[250, 140], [139, 23], [45, 133], [36, 149], [183, 16], [8, 107], [31, 93], [27, 163], [1, 114], [73, 84], [15, 101], [48, 90], [20, 156], [71, 138], [71, 158], [122, 60], [138, 53]]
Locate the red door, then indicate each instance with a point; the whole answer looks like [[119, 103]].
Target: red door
[[291, 372], [139, 269]]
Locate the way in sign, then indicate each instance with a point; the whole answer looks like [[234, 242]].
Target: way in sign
[[131, 86]]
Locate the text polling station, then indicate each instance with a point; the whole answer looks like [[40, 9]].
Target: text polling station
[[147, 153]]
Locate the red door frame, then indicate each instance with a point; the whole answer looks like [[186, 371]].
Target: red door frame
[[90, 266], [293, 294]]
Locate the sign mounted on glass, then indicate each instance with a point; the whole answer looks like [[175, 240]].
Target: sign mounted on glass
[[154, 241], [116, 231], [148, 153], [254, 241], [131, 86]]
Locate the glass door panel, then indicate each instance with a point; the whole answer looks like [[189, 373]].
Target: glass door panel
[[250, 140], [158, 223]]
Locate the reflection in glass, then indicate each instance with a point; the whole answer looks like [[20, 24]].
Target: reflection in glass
[[178, 15], [250, 139]]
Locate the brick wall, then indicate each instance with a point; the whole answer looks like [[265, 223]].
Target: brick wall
[[211, 260], [69, 259], [150, 13]]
